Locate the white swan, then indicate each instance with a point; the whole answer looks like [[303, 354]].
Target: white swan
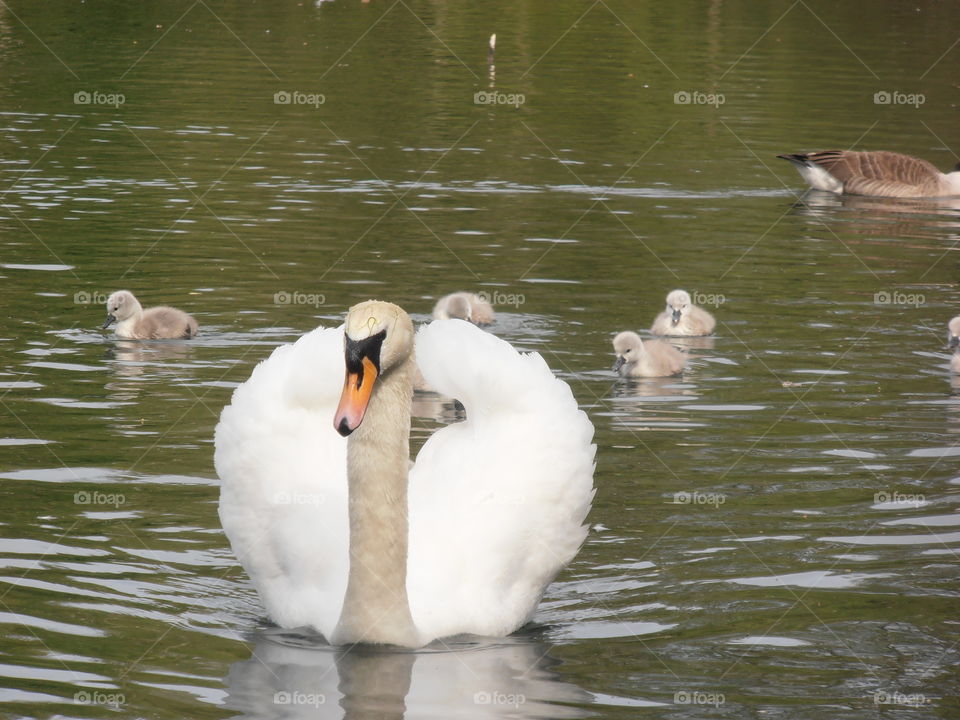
[[878, 173], [330, 529]]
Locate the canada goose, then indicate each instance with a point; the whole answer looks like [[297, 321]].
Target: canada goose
[[682, 317], [880, 173], [361, 546], [464, 306], [157, 323], [653, 358]]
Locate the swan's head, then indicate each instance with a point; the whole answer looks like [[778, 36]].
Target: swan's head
[[953, 333], [628, 346], [121, 306], [678, 302], [377, 337]]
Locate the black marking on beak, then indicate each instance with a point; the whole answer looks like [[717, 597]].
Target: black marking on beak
[[356, 350], [111, 318], [618, 363], [676, 316]]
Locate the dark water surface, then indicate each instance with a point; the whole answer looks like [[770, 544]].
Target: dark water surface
[[775, 533]]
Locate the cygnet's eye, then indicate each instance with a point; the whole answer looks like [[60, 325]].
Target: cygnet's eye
[[628, 351]]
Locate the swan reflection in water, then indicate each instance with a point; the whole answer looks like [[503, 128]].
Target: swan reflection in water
[[296, 675], [131, 362], [692, 342], [132, 356]]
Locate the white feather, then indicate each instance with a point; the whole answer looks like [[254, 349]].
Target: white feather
[[953, 179], [818, 178], [496, 503]]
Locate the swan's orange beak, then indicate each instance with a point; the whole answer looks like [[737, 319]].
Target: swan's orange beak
[[356, 394], [363, 368]]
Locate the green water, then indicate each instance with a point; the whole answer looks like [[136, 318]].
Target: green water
[[812, 572]]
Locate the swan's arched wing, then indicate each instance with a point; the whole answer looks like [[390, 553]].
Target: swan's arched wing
[[497, 503], [282, 466]]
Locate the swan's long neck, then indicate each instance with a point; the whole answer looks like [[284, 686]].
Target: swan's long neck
[[375, 608], [125, 327]]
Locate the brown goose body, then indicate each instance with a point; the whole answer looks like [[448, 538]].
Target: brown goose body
[[880, 174]]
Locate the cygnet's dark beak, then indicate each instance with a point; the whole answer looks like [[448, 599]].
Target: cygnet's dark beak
[[618, 363], [676, 316], [110, 320]]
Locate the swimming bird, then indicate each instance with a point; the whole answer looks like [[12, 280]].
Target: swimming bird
[[340, 533], [464, 306], [880, 173], [953, 342], [653, 358], [135, 323], [682, 317]]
